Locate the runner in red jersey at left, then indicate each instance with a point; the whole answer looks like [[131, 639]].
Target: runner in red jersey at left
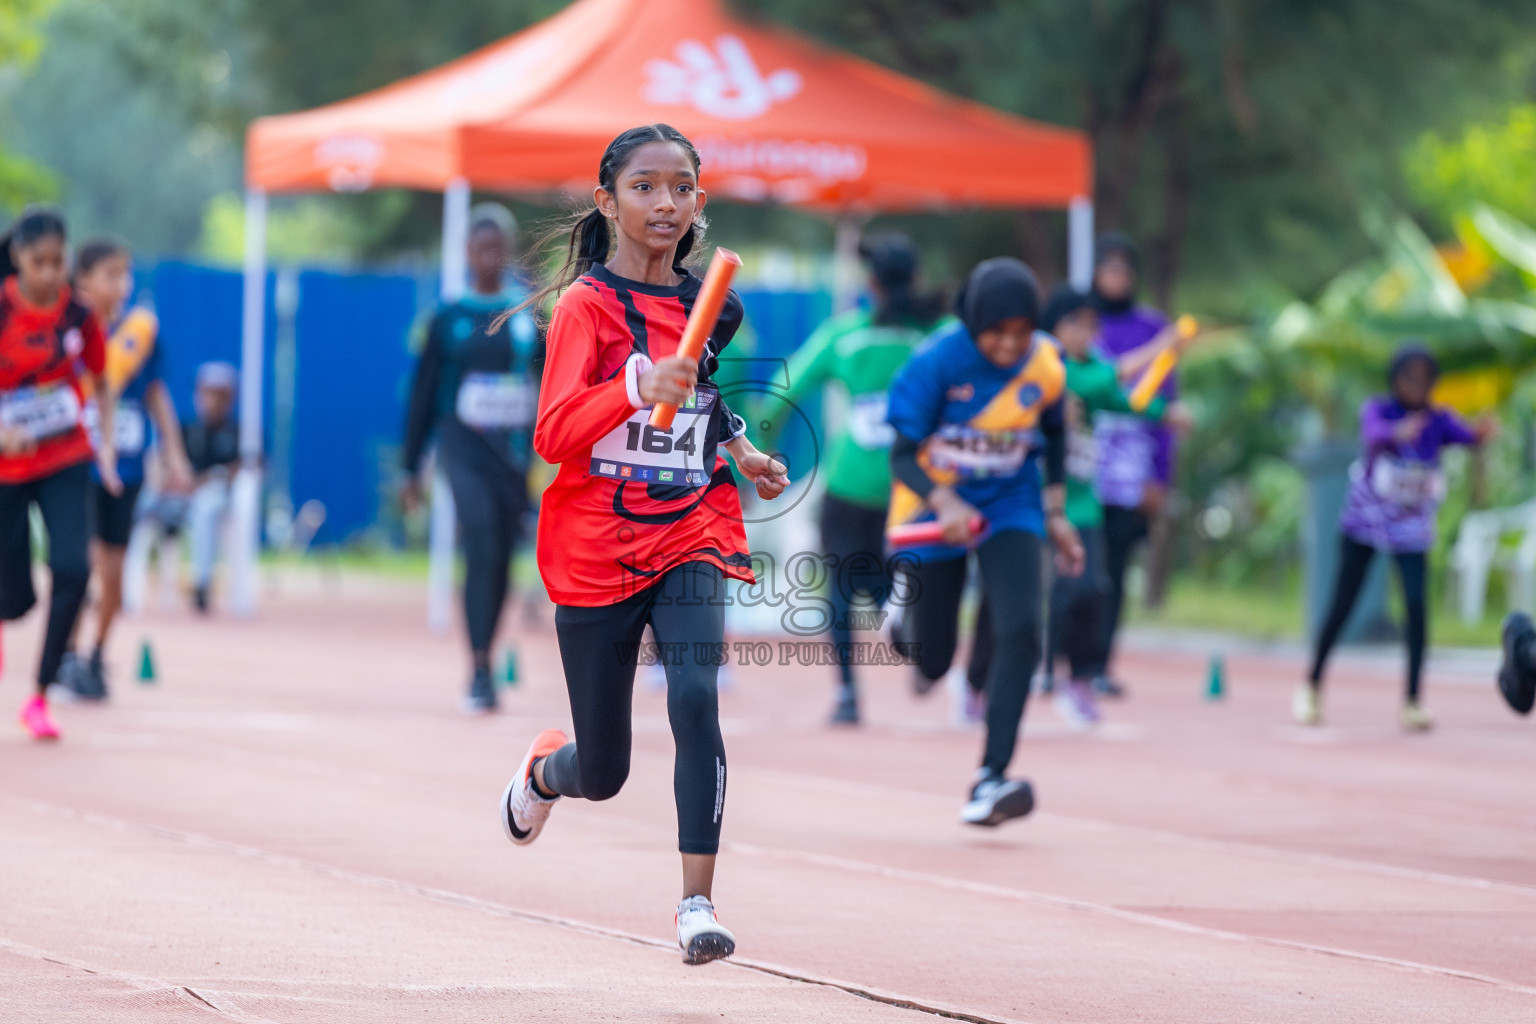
[[641, 526], [47, 340]]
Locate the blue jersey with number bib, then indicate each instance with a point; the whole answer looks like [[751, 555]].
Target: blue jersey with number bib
[[978, 425], [133, 364]]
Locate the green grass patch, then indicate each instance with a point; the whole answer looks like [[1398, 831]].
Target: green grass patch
[[1278, 613]]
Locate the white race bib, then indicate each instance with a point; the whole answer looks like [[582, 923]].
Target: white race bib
[[866, 422], [495, 401], [978, 454], [1082, 454], [635, 450], [129, 430], [1407, 483], [45, 411]]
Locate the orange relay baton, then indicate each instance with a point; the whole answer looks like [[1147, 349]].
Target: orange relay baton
[[706, 311], [1162, 365]]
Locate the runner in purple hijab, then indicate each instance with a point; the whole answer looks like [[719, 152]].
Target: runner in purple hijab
[[1395, 491]]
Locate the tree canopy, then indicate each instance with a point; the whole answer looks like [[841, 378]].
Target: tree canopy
[[1239, 142]]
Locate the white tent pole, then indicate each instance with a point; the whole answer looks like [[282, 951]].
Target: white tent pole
[[455, 238], [440, 531], [845, 263], [245, 496], [1080, 243]]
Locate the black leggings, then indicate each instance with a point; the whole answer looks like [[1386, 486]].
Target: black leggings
[[1124, 528], [1075, 628], [1010, 575], [1354, 560], [489, 498], [1077, 612], [853, 537], [63, 499], [599, 647]]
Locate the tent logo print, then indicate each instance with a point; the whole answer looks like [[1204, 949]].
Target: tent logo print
[[724, 82], [349, 161]]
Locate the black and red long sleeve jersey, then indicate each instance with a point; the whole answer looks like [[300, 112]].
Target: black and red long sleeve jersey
[[43, 353], [631, 501]]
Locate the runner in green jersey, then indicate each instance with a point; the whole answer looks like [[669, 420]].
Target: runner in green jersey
[[861, 351]]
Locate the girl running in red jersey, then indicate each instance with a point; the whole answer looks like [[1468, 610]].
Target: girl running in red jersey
[[641, 525], [45, 453]]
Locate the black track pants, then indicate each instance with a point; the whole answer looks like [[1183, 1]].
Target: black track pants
[[853, 538], [1010, 575], [489, 498], [599, 648], [63, 499], [1077, 611], [1124, 528], [1354, 561]]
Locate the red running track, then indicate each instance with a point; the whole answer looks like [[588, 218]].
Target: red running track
[[296, 824]]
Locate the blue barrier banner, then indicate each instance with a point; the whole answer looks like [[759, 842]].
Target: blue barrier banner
[[352, 375]]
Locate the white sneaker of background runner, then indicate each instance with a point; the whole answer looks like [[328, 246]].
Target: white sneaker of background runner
[[1070, 709], [996, 799], [1307, 705], [699, 935]]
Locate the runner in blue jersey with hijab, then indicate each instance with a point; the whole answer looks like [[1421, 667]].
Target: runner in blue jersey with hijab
[[978, 415], [476, 388]]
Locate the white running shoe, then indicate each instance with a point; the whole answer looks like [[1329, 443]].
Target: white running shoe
[[995, 799], [1414, 718], [523, 811], [1307, 705], [699, 935]]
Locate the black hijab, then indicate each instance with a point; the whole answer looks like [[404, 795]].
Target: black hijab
[[997, 290]]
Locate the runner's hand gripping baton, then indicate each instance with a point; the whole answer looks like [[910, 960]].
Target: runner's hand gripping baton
[[1162, 365], [921, 535], [706, 311]]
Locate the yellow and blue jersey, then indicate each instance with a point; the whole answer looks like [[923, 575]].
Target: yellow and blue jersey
[[133, 363], [978, 427]]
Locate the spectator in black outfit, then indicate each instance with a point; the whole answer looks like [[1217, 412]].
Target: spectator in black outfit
[[476, 389]]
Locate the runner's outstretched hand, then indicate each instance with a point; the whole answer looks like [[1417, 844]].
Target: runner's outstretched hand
[[106, 468], [768, 473], [410, 494], [16, 441], [955, 516]]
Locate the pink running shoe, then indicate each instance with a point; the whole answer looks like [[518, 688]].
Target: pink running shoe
[[37, 721]]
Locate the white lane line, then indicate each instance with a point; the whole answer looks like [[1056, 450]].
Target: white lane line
[[467, 902], [1302, 856], [823, 860], [1106, 910], [905, 796], [184, 993], [324, 769]]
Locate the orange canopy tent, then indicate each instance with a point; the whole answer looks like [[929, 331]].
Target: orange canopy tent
[[776, 118]]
